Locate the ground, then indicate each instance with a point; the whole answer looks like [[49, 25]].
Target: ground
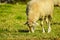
[[13, 18]]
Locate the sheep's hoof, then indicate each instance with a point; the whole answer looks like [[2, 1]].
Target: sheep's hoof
[[43, 31], [31, 31], [49, 30]]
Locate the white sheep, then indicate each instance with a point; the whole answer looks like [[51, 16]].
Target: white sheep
[[39, 9]]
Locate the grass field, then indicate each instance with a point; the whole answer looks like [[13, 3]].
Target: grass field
[[12, 19]]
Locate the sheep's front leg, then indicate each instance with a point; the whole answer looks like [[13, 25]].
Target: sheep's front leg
[[48, 22], [31, 26], [42, 26], [31, 29]]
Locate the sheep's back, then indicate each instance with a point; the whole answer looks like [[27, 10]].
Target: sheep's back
[[40, 8]]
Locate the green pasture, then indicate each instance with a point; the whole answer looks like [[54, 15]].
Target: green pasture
[[13, 18]]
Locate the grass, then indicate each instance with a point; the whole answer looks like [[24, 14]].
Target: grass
[[12, 19]]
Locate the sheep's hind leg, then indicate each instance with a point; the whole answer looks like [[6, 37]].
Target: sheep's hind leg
[[49, 29]]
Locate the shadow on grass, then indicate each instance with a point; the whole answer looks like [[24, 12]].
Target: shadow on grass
[[55, 23], [23, 31], [13, 31]]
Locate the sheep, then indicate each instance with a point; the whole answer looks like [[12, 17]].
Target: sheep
[[39, 9], [56, 2]]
